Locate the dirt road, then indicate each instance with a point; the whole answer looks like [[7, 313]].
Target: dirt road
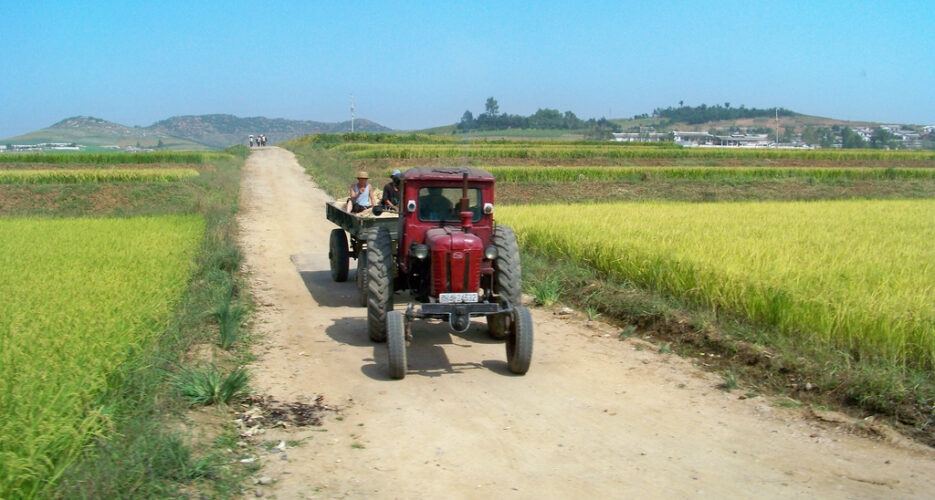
[[595, 417]]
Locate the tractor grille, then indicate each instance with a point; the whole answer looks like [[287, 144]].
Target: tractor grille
[[455, 271]]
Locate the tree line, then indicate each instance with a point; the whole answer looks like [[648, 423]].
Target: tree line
[[543, 118], [694, 115]]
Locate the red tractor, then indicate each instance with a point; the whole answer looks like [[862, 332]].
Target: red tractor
[[452, 259]]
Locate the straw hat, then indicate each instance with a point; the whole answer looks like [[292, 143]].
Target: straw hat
[[362, 175]]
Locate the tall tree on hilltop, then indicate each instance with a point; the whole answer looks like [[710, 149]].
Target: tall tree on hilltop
[[492, 108]]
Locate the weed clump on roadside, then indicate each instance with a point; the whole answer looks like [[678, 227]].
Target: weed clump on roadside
[[210, 385]]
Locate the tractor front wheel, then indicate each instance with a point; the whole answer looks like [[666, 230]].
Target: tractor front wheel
[[396, 344], [507, 279], [519, 341]]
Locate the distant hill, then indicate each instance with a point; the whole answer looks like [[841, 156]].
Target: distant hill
[[227, 130], [96, 133], [786, 119], [183, 132]]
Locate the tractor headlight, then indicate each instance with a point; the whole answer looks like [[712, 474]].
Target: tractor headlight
[[411, 206], [488, 208], [490, 253], [419, 251]]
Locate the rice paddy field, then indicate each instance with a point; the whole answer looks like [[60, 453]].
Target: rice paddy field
[[74, 176], [856, 276], [98, 253], [609, 150], [117, 158], [81, 296], [539, 174]]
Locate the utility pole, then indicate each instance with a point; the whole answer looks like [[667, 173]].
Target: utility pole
[[352, 113], [777, 126]]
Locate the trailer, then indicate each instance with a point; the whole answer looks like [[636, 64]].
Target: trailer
[[349, 240]]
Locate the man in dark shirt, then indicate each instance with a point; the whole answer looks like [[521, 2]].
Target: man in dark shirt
[[391, 192]]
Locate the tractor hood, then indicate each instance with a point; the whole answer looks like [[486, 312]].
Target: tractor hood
[[456, 260]]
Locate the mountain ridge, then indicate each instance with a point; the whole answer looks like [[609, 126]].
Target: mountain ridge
[[210, 131]]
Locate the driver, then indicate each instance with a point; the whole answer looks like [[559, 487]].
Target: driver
[[434, 206]]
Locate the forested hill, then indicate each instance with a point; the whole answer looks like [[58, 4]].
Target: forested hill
[[694, 115]]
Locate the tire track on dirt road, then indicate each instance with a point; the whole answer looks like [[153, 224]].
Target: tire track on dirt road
[[594, 417]]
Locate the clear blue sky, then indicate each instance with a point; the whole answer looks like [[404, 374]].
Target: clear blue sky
[[422, 64]]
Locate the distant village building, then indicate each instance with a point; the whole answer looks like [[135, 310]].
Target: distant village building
[[640, 136], [743, 140], [691, 138], [40, 147]]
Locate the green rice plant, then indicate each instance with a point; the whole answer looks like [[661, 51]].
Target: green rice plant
[[75, 176], [82, 298], [208, 385], [855, 277]]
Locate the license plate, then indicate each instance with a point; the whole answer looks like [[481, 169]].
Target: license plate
[[457, 298]]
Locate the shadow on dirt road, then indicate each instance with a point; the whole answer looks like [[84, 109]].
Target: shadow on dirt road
[[427, 354]]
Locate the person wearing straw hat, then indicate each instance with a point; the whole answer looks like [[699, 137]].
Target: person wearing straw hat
[[362, 196]]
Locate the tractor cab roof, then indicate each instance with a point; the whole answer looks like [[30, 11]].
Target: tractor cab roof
[[453, 174]]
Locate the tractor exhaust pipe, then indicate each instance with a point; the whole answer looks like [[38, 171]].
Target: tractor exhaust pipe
[[465, 211]]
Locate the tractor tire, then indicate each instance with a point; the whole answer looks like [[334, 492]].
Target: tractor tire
[[362, 278], [380, 270], [519, 341], [508, 279], [337, 255], [396, 344]]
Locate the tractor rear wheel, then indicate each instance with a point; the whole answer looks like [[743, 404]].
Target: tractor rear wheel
[[379, 282], [337, 255], [519, 341], [396, 344], [507, 281]]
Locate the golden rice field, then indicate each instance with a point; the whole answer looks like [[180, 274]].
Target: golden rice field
[[478, 149], [536, 174], [74, 176], [856, 276], [80, 298], [117, 158]]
